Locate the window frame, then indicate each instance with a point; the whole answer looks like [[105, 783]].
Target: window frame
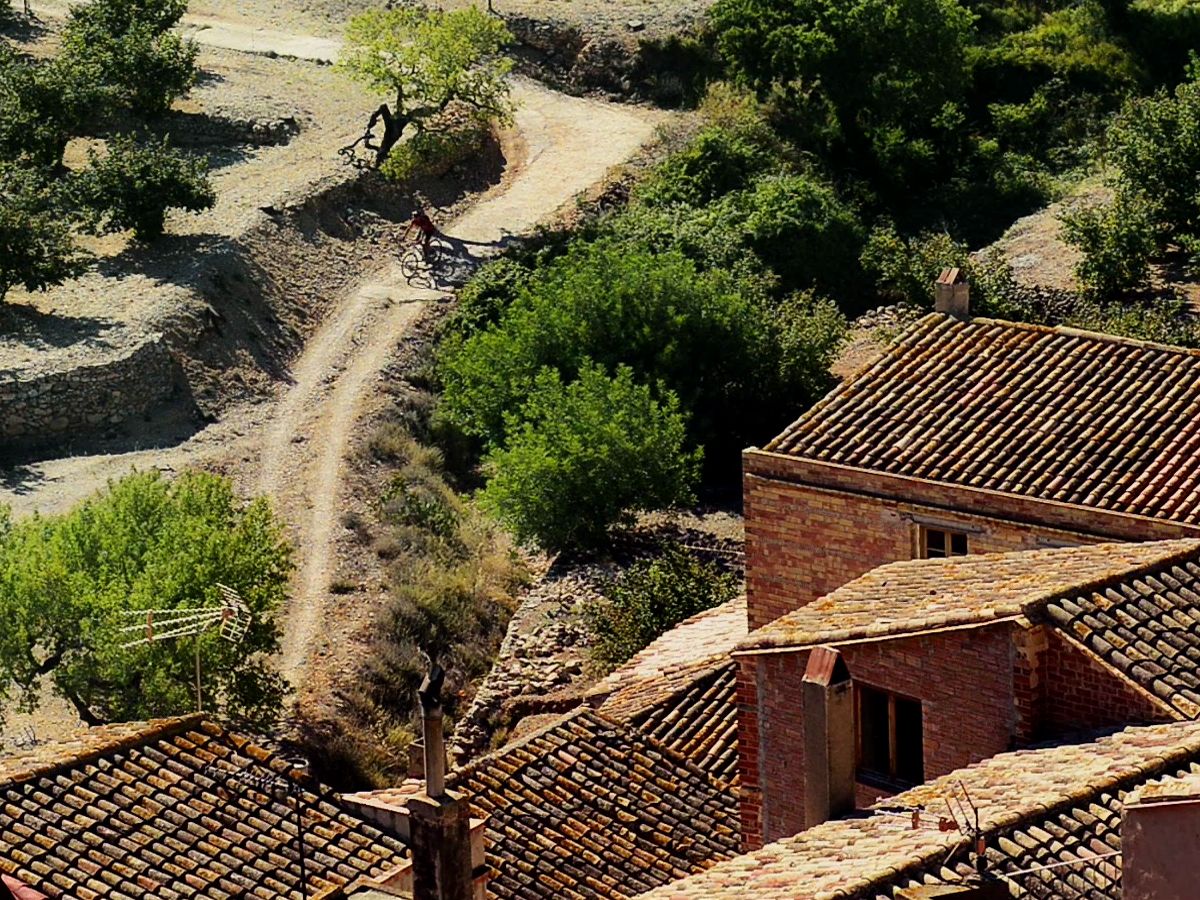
[[948, 534], [889, 780]]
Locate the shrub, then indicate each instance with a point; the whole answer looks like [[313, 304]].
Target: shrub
[[618, 304], [906, 269], [584, 456], [132, 187], [491, 291], [436, 149], [716, 162], [37, 248], [652, 597], [1116, 239], [803, 231]]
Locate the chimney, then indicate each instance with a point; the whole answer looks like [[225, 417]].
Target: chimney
[[439, 819], [1160, 835], [828, 737], [952, 294]]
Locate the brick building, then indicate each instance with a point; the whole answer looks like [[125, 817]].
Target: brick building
[[974, 436], [946, 662]]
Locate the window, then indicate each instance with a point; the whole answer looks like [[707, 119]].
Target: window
[[937, 543], [891, 752]]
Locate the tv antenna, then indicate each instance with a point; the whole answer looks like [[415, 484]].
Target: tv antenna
[[231, 619]]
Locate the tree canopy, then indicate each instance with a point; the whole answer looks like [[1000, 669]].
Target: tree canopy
[[144, 543], [120, 65], [425, 60]]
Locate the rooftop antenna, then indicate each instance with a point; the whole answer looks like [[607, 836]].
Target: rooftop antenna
[[231, 618]]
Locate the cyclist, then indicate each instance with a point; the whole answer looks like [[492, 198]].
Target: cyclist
[[422, 223]]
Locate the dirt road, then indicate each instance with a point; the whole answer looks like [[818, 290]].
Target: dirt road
[[294, 449]]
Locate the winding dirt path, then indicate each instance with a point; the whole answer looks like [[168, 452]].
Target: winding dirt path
[[295, 449]]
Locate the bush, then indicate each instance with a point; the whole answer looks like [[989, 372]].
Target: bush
[[484, 299], [143, 543], [132, 187], [804, 233], [619, 304], [1116, 239], [37, 248], [716, 162], [651, 598], [906, 269], [1155, 146], [437, 148], [584, 456]]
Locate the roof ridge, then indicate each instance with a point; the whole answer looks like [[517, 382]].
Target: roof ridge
[[1083, 333], [154, 728]]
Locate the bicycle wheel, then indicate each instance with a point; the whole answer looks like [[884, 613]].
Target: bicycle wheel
[[410, 263], [436, 252]]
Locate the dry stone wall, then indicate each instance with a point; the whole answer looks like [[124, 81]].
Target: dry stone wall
[[42, 406]]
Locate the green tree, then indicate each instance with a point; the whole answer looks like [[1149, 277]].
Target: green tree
[[620, 304], [584, 456], [860, 74], [651, 598], [37, 246], [425, 60], [42, 105], [129, 50], [133, 186], [145, 543], [1154, 145]]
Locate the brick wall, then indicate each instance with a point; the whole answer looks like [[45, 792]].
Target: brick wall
[[803, 542], [1081, 693], [963, 679]]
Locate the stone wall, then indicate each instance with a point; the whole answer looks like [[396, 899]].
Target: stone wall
[[39, 407]]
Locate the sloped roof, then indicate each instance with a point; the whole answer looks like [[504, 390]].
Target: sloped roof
[[1035, 807], [1147, 626], [586, 808], [700, 721], [681, 690], [168, 809], [917, 595], [1052, 413], [671, 660]]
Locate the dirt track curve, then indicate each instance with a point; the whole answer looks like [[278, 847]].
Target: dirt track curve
[[296, 450]]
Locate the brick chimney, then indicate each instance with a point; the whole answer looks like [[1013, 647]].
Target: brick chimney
[[439, 819], [828, 737], [952, 294], [1160, 836]]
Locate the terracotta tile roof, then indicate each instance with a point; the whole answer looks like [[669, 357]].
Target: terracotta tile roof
[[700, 722], [704, 637], [137, 810], [587, 808], [681, 690], [1147, 626], [916, 595], [1052, 413], [1036, 807]]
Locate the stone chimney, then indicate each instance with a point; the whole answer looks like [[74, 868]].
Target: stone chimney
[[1160, 838], [828, 737], [952, 294], [439, 820]]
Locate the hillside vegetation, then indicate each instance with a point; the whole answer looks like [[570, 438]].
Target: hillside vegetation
[[848, 150]]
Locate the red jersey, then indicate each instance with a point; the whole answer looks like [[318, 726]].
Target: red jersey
[[424, 223]]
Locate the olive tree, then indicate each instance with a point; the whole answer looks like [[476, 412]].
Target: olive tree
[[423, 61]]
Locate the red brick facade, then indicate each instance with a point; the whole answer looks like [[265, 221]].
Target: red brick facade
[[812, 527], [983, 691]]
